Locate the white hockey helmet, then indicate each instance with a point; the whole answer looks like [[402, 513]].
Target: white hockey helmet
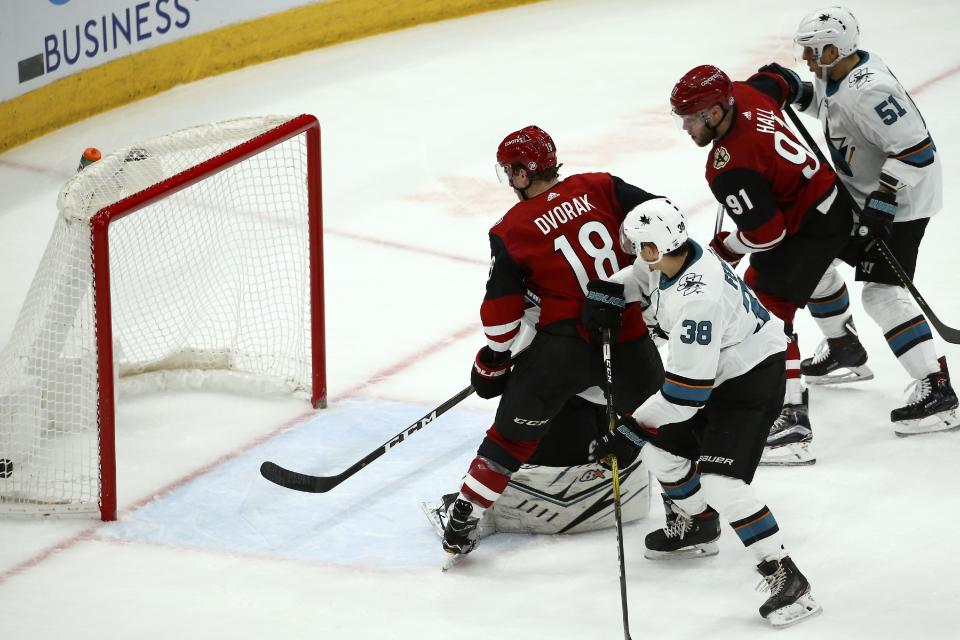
[[830, 25], [657, 221]]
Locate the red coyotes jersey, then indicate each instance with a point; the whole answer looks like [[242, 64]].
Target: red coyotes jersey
[[551, 246], [766, 179]]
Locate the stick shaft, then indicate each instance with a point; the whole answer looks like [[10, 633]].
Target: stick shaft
[[615, 470]]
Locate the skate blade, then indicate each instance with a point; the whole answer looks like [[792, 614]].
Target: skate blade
[[852, 374], [942, 422], [796, 454], [704, 550], [435, 514], [450, 561], [805, 607]]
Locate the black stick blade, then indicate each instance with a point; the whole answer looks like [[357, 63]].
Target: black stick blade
[[296, 481]]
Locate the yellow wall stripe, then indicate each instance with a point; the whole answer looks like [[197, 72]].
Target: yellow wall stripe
[[155, 70]]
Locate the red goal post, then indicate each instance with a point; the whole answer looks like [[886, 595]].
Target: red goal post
[[194, 259]]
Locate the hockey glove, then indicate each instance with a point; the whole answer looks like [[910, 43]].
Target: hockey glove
[[625, 443], [797, 91], [603, 307], [720, 248], [489, 372], [876, 219]]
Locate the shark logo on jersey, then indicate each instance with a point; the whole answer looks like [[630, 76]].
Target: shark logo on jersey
[[839, 152], [859, 78], [691, 283], [720, 158]]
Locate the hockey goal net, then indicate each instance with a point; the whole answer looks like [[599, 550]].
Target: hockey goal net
[[191, 259]]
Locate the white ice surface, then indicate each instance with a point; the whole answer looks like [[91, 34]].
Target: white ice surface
[[205, 548]]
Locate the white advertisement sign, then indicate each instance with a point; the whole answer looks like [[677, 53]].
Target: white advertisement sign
[[42, 41]]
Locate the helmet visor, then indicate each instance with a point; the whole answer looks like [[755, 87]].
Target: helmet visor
[[686, 121], [504, 173], [626, 243]]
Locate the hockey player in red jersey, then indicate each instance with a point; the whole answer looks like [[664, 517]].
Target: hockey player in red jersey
[[559, 244], [784, 203]]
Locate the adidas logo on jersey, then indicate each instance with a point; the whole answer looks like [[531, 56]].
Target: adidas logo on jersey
[[552, 195], [748, 115]]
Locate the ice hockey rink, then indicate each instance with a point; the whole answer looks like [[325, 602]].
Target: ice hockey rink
[[205, 548]]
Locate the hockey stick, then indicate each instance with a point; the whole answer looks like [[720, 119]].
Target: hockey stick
[[321, 484], [948, 333], [614, 467], [718, 224]]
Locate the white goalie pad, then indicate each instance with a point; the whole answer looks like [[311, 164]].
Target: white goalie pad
[[552, 500]]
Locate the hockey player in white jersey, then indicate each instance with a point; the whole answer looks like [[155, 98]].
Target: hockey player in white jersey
[[703, 433], [886, 158]]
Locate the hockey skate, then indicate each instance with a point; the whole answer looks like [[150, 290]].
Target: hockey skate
[[788, 444], [684, 536], [461, 535], [790, 600], [838, 360], [438, 514], [931, 408]]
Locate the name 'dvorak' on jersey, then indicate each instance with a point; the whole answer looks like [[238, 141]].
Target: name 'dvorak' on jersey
[[563, 212]]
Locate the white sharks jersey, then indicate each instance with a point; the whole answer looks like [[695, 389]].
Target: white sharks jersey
[[718, 330], [873, 128]]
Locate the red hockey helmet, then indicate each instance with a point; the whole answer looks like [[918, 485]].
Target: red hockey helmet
[[701, 88], [531, 146]]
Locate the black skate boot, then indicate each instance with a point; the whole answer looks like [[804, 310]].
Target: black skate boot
[[684, 536], [438, 513], [790, 600], [461, 534], [790, 436], [838, 360], [932, 406]]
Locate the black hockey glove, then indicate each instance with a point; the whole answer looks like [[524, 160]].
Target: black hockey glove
[[625, 443], [876, 219], [603, 307], [489, 372], [798, 91]]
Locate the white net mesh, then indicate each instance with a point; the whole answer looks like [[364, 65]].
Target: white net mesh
[[212, 282]]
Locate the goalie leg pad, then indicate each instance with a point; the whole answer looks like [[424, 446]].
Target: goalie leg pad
[[549, 500], [541, 499]]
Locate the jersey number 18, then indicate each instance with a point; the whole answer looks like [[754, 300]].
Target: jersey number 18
[[604, 258]]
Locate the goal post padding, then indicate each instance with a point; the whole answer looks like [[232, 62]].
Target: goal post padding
[[191, 260]]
